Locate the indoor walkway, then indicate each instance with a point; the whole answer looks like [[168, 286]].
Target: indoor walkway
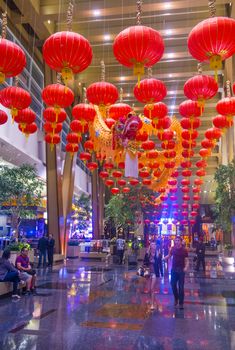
[[89, 306]]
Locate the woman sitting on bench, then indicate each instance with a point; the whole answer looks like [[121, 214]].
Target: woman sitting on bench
[[8, 273]]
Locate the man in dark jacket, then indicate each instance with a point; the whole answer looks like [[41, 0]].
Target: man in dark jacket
[[8, 273], [42, 247], [50, 249], [200, 252]]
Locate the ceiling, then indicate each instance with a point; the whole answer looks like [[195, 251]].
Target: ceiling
[[101, 21]]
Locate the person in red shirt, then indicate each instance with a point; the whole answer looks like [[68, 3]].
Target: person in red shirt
[[180, 265]]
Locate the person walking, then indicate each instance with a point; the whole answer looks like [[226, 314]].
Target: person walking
[[120, 243], [50, 249], [8, 273], [42, 247], [180, 265], [200, 252]]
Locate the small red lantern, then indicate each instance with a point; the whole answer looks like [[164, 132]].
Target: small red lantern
[[172, 182], [173, 198], [186, 164], [76, 126], [195, 206], [134, 182], [189, 144], [185, 189], [186, 198], [166, 135], [190, 109], [73, 138], [52, 128], [162, 124], [189, 135], [85, 156], [184, 213], [119, 110], [192, 222], [102, 94], [57, 96], [108, 166], [121, 165], [148, 145], [25, 116], [146, 182], [201, 172], [185, 182], [84, 112], [109, 122], [15, 98], [138, 47], [170, 144], [115, 190], [121, 182], [213, 134], [89, 145], [156, 111], [196, 190], [175, 174], [169, 165], [188, 123], [187, 153], [52, 139], [144, 173], [104, 174], [141, 136], [67, 52], [153, 154], [71, 148], [51, 116], [226, 106], [169, 154], [117, 174], [200, 88], [29, 129], [220, 122], [173, 190], [126, 190], [3, 117], [196, 197], [198, 182], [207, 143], [109, 182], [186, 173], [201, 164], [150, 90], [92, 166], [185, 206]]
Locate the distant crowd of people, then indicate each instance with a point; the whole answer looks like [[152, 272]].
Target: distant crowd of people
[[23, 272]]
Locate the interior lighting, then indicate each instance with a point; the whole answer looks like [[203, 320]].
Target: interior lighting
[[49, 21], [170, 55], [168, 32], [122, 78], [96, 13], [167, 5], [128, 95], [107, 37]]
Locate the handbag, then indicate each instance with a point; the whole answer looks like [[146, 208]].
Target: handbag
[[143, 271], [31, 272]]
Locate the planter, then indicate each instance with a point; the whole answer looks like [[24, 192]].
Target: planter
[[73, 251], [14, 255]]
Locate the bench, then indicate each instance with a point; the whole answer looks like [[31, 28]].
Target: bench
[[92, 255], [7, 287]]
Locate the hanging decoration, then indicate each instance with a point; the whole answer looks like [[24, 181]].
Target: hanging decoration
[[120, 109], [67, 52], [138, 46]]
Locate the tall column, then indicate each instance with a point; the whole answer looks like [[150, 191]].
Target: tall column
[[54, 183], [95, 205], [101, 193]]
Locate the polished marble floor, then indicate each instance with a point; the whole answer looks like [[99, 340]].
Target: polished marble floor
[[90, 306]]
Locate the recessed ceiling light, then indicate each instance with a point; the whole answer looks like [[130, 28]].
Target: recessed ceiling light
[[172, 107], [79, 83], [170, 75], [128, 95], [170, 55], [96, 13], [49, 22], [107, 37], [167, 5], [122, 78], [168, 32]]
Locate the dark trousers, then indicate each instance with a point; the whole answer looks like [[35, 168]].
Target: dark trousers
[[158, 269], [120, 253], [50, 255], [177, 284], [12, 277], [201, 260], [42, 254]]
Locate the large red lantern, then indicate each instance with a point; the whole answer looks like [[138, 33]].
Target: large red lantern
[[71, 148], [12, 57], [85, 113], [187, 123], [226, 106], [213, 134], [150, 90], [67, 52], [221, 122], [200, 88], [3, 117], [29, 129], [52, 139], [190, 109], [57, 96], [207, 143], [72, 137], [212, 40], [76, 126], [25, 116], [15, 98], [138, 47]]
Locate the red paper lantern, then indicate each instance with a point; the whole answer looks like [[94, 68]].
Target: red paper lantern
[[57, 96], [146, 182], [173, 190], [201, 172], [192, 222], [185, 182], [134, 182], [173, 198], [188, 123], [155, 111], [169, 165], [166, 135], [147, 221], [52, 139], [119, 110], [213, 134], [189, 135], [15, 98], [72, 137], [12, 59], [196, 190], [207, 143], [51, 116], [115, 190], [162, 124], [141, 136], [29, 129], [186, 198], [89, 145], [25, 116], [185, 189], [157, 173], [144, 173], [148, 145], [51, 128], [71, 148], [169, 154], [201, 164], [213, 40], [190, 109], [196, 197], [200, 88], [220, 122], [172, 182], [187, 153], [109, 182], [186, 164], [117, 174], [84, 112], [121, 182], [226, 106], [204, 152], [149, 91], [185, 206], [126, 190], [153, 154], [76, 126], [175, 174], [189, 144], [92, 166], [85, 156], [184, 222], [167, 145], [162, 190], [184, 213], [198, 182], [102, 94], [186, 173], [138, 47], [3, 115], [195, 206], [104, 174], [108, 166], [67, 52]]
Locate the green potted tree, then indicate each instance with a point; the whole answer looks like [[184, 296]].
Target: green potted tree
[[225, 202]]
